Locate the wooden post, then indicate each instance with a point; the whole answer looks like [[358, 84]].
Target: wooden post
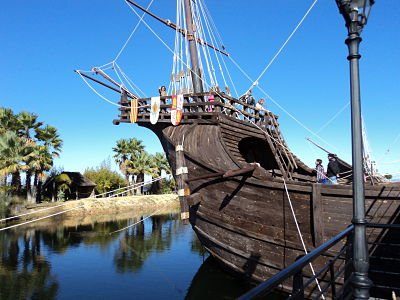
[[317, 222], [181, 176]]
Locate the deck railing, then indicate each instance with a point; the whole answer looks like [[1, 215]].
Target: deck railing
[[195, 106], [333, 279], [328, 279]]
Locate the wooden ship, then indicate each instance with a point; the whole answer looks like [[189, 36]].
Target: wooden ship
[[244, 192]]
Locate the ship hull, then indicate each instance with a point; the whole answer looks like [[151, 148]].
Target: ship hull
[[248, 222]]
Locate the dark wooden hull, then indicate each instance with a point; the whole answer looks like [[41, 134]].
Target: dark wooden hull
[[246, 222]]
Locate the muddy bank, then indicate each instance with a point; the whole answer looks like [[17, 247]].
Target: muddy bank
[[90, 211], [104, 206]]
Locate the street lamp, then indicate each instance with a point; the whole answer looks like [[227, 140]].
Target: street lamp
[[356, 13]]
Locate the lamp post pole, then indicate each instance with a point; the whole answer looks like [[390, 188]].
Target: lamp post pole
[[354, 23]]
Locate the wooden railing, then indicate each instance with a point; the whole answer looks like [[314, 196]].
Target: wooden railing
[[195, 106], [333, 279]]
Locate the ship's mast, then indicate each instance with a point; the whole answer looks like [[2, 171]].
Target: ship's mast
[[195, 70]]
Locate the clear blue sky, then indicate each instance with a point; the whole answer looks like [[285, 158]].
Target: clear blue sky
[[42, 42]]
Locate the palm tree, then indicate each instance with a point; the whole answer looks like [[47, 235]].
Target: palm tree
[[52, 143], [40, 162], [160, 164], [8, 121], [141, 165], [26, 123], [125, 152], [50, 138], [14, 155]]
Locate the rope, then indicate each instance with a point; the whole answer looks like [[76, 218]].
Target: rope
[[32, 212], [301, 236], [133, 31], [41, 218], [135, 88], [333, 118], [96, 92], [284, 44], [136, 185]]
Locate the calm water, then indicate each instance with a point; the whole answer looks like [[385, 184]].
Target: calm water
[[160, 258]]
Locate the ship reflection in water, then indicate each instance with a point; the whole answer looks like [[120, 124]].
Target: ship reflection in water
[[82, 258]]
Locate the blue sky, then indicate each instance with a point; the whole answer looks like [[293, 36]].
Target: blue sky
[[42, 42]]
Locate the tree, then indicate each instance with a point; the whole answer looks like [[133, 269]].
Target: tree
[[52, 143], [125, 151], [160, 163], [140, 166], [106, 180], [41, 162], [26, 147], [14, 155], [8, 121], [26, 123]]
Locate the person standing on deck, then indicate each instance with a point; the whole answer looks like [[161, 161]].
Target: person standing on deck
[[261, 109], [248, 99], [319, 168], [333, 170]]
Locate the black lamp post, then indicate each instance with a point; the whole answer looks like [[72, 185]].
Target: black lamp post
[[355, 13]]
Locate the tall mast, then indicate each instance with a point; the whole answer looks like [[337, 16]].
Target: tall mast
[[195, 70]]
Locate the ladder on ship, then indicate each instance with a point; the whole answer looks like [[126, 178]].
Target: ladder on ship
[[283, 156]]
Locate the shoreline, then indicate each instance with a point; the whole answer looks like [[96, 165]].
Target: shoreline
[[89, 211], [102, 206]]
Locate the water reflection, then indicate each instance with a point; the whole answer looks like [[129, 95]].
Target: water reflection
[[138, 243], [51, 260], [24, 271]]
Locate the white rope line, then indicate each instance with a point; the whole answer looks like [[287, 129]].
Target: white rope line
[[96, 92], [281, 107], [133, 31], [388, 149], [130, 81], [213, 43], [333, 118], [129, 226], [136, 186], [264, 131], [32, 212], [173, 52], [301, 237], [284, 44], [41, 218]]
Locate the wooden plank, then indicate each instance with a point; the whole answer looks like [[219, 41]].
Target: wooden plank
[[317, 224]]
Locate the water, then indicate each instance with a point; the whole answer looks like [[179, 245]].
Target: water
[[160, 258]]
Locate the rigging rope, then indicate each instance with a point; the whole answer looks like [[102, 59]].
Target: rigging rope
[[281, 107], [133, 31], [96, 92], [301, 236], [284, 44], [333, 118], [32, 212], [41, 218]]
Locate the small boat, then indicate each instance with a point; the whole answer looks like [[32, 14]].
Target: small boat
[[254, 205]]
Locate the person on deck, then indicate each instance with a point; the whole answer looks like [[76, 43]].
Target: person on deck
[[333, 170], [163, 91], [261, 109], [248, 99], [319, 168]]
